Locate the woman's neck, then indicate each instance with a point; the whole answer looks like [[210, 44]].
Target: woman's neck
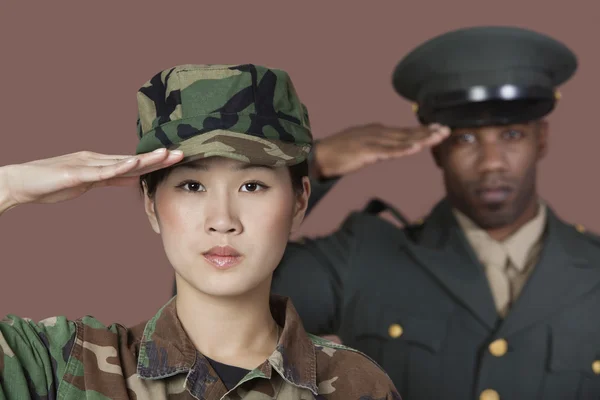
[[237, 331]]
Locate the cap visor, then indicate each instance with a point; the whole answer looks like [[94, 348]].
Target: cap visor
[[243, 147]]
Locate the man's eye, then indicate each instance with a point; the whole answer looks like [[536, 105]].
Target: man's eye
[[464, 138], [513, 134]]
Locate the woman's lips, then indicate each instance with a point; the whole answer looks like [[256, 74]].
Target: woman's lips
[[223, 257]]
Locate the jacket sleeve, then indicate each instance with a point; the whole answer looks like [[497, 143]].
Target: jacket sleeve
[[33, 356], [319, 190], [312, 274]]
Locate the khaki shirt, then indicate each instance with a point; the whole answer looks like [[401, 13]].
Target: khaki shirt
[[509, 263], [83, 359]]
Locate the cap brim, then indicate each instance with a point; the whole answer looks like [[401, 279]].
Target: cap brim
[[488, 113], [243, 147]]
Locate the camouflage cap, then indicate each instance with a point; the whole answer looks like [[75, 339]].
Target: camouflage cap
[[244, 112]]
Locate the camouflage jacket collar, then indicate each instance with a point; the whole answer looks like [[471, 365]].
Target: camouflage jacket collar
[[166, 350]]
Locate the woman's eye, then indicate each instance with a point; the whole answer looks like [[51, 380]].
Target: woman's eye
[[252, 187], [192, 186]]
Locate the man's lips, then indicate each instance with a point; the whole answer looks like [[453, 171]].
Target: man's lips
[[494, 194], [223, 257]]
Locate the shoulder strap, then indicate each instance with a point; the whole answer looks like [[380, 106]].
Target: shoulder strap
[[376, 206]]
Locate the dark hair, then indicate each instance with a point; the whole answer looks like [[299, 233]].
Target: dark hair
[[153, 179]]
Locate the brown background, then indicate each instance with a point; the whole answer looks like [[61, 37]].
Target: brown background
[[70, 71]]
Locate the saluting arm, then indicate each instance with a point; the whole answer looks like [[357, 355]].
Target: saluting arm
[[357, 147], [32, 355]]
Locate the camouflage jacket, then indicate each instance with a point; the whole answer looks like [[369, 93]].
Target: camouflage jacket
[[62, 359]]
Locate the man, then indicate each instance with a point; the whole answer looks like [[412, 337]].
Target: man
[[492, 296]]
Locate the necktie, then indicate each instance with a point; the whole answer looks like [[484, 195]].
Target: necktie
[[496, 264]]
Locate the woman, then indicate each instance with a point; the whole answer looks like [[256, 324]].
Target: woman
[[222, 160]]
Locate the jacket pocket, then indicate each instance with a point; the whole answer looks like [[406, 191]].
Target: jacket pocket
[[404, 343], [574, 363]]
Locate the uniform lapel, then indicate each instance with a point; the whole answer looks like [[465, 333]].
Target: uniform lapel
[[442, 248], [562, 274]]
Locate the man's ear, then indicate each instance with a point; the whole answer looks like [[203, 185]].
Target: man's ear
[[301, 204], [150, 209], [436, 154], [543, 131]]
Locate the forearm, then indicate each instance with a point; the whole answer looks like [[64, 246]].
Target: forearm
[[320, 183], [317, 163]]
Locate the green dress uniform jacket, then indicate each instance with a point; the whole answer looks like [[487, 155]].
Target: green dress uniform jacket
[[416, 300]]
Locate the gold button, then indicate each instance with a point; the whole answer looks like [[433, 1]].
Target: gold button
[[557, 95], [395, 331], [489, 394], [580, 228], [415, 107], [596, 367], [498, 347]]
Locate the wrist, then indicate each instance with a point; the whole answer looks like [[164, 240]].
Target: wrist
[[314, 172], [318, 167], [6, 200]]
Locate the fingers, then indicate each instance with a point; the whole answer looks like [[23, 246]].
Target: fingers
[[404, 135], [128, 167], [91, 174], [397, 153], [388, 142], [434, 139], [149, 162], [106, 161], [155, 161], [81, 157], [98, 159], [410, 141], [142, 164], [387, 152], [386, 147], [441, 132], [100, 156]]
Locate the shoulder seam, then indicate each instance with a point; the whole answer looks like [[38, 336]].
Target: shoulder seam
[[318, 341]]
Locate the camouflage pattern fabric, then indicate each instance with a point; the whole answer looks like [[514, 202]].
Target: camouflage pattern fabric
[[245, 112], [61, 359]]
